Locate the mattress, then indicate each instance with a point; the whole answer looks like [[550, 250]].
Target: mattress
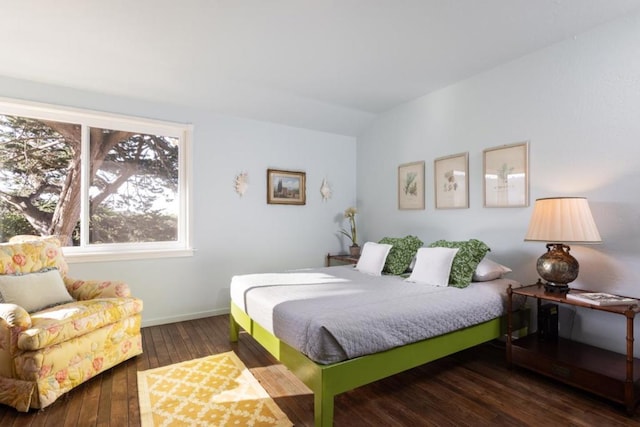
[[337, 313]]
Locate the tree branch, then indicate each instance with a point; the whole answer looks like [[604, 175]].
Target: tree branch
[[38, 219], [69, 131], [102, 143], [112, 187]]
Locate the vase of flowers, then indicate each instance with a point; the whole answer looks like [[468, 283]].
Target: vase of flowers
[[352, 234]]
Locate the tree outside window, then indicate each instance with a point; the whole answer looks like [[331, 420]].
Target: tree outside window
[[89, 185]]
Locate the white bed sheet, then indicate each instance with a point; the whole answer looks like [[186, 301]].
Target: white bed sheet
[[337, 313]]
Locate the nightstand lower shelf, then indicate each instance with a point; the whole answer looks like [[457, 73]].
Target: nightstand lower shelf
[[587, 367], [341, 259]]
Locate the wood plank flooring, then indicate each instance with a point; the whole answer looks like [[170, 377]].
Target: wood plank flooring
[[471, 388]]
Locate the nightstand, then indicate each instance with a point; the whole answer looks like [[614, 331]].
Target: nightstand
[[341, 259], [606, 373]]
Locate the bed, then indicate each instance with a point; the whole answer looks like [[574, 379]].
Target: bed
[[337, 328]]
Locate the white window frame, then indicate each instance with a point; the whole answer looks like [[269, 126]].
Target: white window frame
[[87, 119]]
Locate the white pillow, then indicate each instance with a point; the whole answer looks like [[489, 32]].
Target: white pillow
[[433, 266], [373, 258], [489, 270], [34, 291]]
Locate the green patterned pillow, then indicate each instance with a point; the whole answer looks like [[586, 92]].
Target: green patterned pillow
[[469, 255], [402, 252]]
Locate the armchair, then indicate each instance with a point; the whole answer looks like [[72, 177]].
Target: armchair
[[57, 332]]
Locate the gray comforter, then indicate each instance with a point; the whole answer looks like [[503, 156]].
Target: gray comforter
[[337, 313]]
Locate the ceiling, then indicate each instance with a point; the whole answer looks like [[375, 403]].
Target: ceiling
[[330, 65]]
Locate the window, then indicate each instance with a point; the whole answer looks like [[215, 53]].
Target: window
[[108, 186]]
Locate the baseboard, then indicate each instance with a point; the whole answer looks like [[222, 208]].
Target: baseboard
[[183, 317]]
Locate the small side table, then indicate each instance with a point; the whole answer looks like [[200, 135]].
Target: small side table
[[606, 373], [341, 258]]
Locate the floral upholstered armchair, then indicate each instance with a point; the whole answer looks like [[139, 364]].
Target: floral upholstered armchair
[[57, 332]]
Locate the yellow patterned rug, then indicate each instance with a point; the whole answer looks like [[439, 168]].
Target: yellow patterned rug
[[215, 390]]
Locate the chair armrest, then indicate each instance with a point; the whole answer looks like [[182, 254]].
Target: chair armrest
[[90, 289], [14, 316]]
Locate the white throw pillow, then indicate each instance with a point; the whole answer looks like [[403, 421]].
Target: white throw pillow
[[489, 270], [433, 266], [34, 291], [373, 258]]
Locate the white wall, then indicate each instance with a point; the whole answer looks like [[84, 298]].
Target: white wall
[[578, 104], [232, 235]]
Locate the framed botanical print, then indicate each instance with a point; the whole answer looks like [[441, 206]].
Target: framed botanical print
[[286, 187], [451, 181], [506, 176], [411, 186]]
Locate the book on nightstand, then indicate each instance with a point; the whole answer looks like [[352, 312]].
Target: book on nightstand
[[600, 298]]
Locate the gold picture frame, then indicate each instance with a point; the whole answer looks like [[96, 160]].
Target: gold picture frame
[[286, 187], [506, 176], [411, 185], [451, 181]]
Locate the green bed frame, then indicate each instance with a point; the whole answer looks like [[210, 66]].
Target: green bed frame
[[326, 381]]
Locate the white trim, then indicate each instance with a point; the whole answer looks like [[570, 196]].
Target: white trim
[[183, 317], [91, 118], [87, 252], [123, 255], [184, 188], [85, 171]]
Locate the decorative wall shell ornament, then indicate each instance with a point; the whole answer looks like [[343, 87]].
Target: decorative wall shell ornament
[[241, 183], [325, 190]]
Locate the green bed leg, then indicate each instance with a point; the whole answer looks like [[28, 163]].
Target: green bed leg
[[234, 329], [323, 409]]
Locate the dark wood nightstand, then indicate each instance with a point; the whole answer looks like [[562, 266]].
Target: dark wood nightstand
[[341, 259], [606, 373]]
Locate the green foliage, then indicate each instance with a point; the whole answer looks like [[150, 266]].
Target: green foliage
[[13, 224], [132, 175], [108, 226], [411, 184], [350, 213]]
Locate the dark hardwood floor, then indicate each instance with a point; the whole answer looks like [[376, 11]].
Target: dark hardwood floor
[[471, 388]]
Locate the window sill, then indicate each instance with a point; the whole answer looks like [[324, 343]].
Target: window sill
[[73, 257]]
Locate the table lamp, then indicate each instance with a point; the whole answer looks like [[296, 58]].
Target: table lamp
[[560, 220]]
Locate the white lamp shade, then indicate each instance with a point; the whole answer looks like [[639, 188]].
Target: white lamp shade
[[562, 219]]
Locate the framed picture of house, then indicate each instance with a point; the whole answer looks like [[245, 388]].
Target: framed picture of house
[[506, 176], [411, 186], [286, 187], [451, 181]]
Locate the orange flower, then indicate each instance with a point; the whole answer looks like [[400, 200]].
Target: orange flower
[[52, 253], [19, 259], [54, 329], [126, 346], [121, 290], [44, 371], [61, 375], [97, 363]]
